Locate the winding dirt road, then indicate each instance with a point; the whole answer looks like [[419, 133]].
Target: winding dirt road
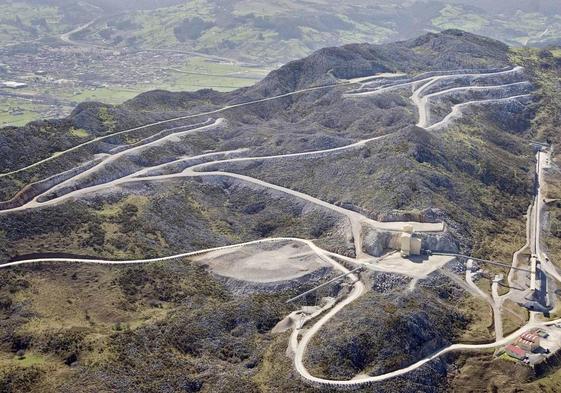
[[186, 117], [421, 100], [356, 220]]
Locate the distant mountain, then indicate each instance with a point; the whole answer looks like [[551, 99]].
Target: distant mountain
[[465, 50], [108, 5], [327, 65], [295, 29], [513, 6]]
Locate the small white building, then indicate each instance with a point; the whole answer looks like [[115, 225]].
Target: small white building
[[409, 244], [498, 278], [14, 85]]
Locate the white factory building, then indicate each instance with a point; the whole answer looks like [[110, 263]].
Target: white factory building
[[409, 244]]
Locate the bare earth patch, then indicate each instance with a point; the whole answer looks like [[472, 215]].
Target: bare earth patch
[[265, 262]]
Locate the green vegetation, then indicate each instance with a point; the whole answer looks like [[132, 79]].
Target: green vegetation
[[3, 246], [172, 325], [553, 241], [479, 373], [247, 31], [502, 374], [100, 322], [480, 316], [548, 384], [107, 119], [161, 220], [514, 316], [508, 358], [366, 338], [195, 74], [544, 68], [29, 359], [15, 112], [23, 21], [80, 133], [252, 31], [456, 17]]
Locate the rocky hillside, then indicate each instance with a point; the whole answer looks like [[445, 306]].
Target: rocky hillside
[[463, 50], [316, 120], [470, 166]]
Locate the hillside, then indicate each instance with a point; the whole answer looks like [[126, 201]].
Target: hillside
[[256, 32], [113, 51], [311, 171]]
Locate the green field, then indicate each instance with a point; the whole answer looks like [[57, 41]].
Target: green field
[[18, 113], [195, 74], [455, 17]]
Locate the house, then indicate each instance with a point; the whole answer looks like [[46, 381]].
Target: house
[[526, 345], [515, 352]]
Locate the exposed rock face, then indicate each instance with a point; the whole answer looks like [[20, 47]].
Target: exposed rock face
[[426, 215], [438, 242], [377, 242], [385, 282]]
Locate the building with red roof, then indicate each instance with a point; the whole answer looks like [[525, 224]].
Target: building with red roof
[[515, 352]]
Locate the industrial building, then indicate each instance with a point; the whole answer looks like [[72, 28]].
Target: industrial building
[[533, 267], [524, 346], [409, 244]]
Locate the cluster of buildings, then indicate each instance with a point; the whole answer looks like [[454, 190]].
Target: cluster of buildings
[[528, 343], [51, 76], [86, 67]]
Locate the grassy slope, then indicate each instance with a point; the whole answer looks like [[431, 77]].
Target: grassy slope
[[144, 329], [165, 219], [111, 320], [11, 31], [148, 328]]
